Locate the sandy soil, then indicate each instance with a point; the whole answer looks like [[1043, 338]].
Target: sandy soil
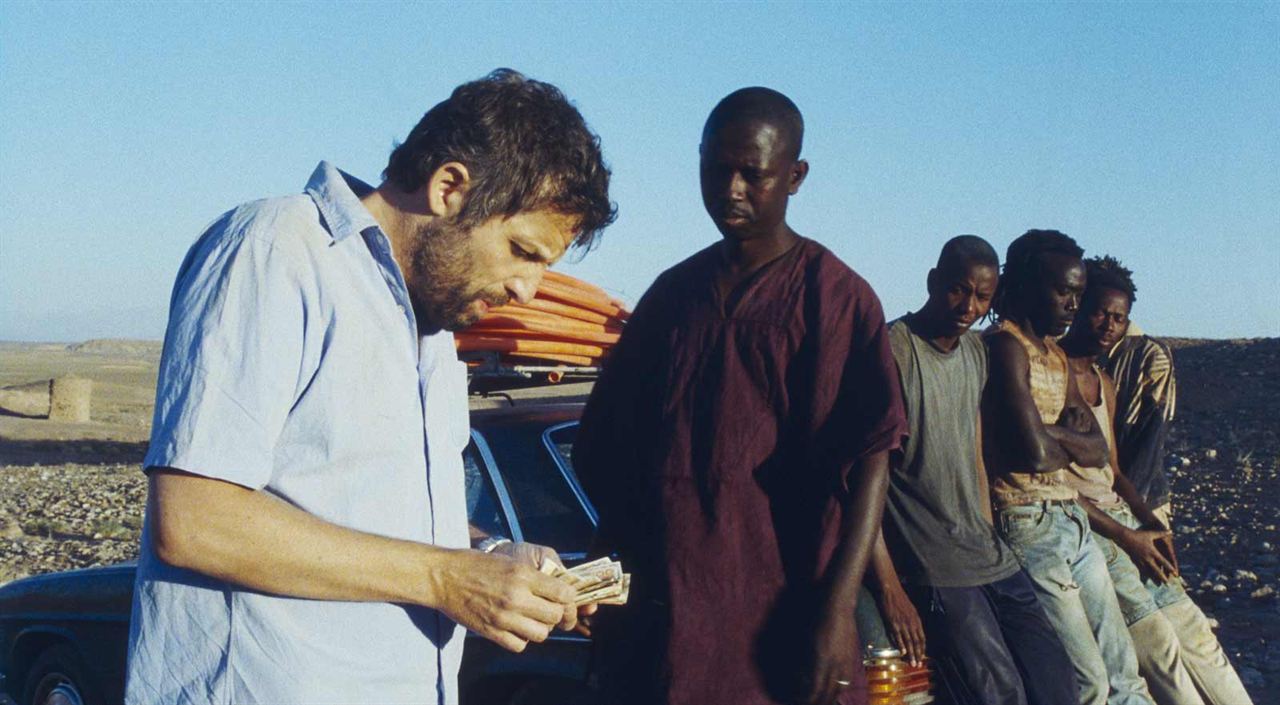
[[71, 495]]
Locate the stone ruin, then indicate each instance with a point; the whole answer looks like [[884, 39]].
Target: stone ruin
[[58, 399]]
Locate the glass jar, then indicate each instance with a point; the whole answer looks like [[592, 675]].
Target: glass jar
[[893, 681]]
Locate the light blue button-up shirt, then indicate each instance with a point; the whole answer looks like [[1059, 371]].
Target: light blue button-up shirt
[[292, 365]]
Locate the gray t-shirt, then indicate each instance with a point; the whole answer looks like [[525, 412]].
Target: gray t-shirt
[[934, 524]]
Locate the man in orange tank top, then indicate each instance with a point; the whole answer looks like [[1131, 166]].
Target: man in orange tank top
[[1034, 425]]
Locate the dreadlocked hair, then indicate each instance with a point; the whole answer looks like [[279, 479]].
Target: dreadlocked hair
[[1106, 272], [1023, 266]]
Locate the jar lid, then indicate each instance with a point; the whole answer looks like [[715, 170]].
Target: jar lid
[[884, 653]]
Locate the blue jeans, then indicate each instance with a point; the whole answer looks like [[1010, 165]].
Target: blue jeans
[[993, 644], [1053, 543], [1178, 653], [871, 629], [1139, 597]]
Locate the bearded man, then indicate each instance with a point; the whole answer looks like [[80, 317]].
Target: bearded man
[[306, 534]]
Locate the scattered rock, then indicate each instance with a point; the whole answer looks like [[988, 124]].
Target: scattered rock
[[72, 516], [1211, 453], [1263, 593]]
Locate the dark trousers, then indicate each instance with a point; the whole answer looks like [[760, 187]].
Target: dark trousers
[[993, 645]]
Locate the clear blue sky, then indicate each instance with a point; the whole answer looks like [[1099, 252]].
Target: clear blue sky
[[1148, 132]]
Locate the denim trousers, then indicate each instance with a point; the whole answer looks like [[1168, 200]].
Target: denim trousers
[[871, 629], [1053, 543], [993, 644], [1177, 651]]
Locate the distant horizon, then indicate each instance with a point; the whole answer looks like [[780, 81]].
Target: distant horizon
[[1150, 133], [160, 341]]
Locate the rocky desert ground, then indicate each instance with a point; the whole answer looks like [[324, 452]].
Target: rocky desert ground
[[72, 494]]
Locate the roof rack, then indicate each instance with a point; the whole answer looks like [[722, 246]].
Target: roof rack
[[488, 372]]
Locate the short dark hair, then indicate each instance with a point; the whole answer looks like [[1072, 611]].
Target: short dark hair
[[758, 103], [966, 250], [526, 148], [1106, 272], [1024, 266]]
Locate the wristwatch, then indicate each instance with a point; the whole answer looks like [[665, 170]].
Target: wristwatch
[[492, 542]]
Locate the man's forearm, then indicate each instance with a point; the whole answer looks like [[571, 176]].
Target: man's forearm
[[1087, 449], [1101, 522], [1130, 495], [882, 569], [253, 540], [258, 541]]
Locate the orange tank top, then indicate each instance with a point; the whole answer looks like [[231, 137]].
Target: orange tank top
[[1047, 378]]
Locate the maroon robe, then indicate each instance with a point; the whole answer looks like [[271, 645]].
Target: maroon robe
[[717, 448]]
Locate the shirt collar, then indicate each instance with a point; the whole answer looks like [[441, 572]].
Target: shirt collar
[[1132, 332], [337, 195]]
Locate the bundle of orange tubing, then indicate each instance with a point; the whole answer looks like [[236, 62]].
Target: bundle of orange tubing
[[569, 322]]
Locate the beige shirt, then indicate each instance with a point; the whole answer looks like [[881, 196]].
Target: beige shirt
[[1047, 377]]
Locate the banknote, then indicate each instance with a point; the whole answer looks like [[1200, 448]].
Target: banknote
[[601, 581]]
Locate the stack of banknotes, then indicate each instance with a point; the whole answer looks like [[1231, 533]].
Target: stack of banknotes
[[599, 582]]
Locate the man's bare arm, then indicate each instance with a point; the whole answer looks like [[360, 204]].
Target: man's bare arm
[[1081, 446], [1009, 410], [255, 540], [1121, 483], [1149, 549], [1077, 430], [861, 525], [895, 607]]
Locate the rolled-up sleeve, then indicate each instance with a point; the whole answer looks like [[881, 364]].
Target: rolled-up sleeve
[[232, 357], [858, 392]]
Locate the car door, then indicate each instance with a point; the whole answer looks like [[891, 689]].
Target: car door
[[520, 484]]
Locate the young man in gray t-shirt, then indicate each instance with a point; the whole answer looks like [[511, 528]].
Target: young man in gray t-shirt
[[940, 556]]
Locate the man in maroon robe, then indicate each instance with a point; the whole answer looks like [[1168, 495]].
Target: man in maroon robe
[[736, 446]]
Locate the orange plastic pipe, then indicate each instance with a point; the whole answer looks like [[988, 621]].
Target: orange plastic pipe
[[557, 308], [575, 283], [505, 317], [576, 360], [562, 335], [552, 290], [468, 343]]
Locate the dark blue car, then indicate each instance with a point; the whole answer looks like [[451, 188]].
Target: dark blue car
[[63, 636]]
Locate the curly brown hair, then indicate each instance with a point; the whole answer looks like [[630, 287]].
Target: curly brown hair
[[526, 148], [1107, 272]]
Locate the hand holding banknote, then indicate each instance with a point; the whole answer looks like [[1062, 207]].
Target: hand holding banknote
[[599, 582], [547, 561]]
